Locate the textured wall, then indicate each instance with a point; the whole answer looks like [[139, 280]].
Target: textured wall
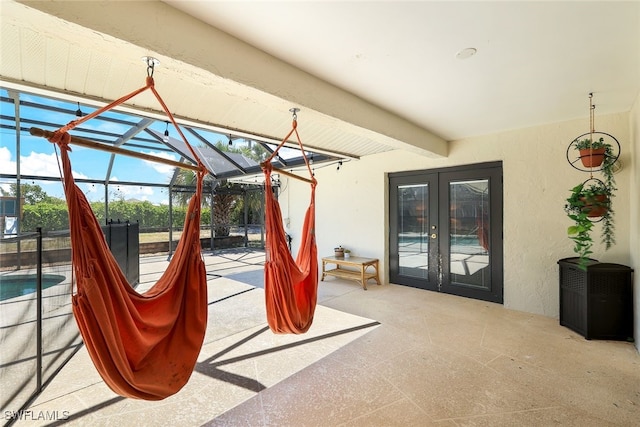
[[352, 203]]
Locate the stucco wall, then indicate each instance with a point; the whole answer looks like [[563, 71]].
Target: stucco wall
[[352, 205]]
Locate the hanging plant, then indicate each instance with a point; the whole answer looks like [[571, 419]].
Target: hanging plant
[[594, 148], [590, 201], [588, 204], [593, 153]]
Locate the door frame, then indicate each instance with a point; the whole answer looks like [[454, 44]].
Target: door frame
[[492, 171]]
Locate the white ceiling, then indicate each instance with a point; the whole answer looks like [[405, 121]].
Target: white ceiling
[[536, 63]]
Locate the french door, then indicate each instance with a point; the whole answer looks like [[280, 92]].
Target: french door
[[445, 230]]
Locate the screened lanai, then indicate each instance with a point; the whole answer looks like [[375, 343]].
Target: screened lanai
[[447, 85], [141, 203], [232, 159]]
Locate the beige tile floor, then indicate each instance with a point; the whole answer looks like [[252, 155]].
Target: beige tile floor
[[433, 360]]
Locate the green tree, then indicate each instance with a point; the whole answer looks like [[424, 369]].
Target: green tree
[[253, 200], [227, 197], [252, 150], [31, 193], [39, 209], [49, 216], [223, 202]]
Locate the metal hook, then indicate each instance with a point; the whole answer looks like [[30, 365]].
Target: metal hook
[[294, 111], [151, 63]]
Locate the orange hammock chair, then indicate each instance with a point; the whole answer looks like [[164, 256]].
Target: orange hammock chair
[[290, 285], [144, 346]]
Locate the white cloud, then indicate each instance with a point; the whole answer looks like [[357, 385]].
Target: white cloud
[[161, 167], [131, 191], [37, 164], [41, 164], [6, 165], [90, 188], [93, 192]]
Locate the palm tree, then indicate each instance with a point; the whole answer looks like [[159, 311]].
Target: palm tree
[[223, 202], [226, 195]]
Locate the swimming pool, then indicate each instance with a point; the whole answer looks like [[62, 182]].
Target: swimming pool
[[15, 285]]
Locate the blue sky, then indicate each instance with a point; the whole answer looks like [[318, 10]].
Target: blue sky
[[38, 156]]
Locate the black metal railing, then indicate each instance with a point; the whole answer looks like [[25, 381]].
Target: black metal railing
[[37, 332]]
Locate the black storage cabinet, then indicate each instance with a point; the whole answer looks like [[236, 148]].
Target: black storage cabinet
[[124, 241], [597, 303]]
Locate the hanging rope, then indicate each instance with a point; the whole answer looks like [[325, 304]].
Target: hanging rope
[[591, 131], [294, 130], [150, 85]]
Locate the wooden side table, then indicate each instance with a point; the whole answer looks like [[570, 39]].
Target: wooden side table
[[352, 268]]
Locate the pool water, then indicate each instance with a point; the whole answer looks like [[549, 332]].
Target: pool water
[[12, 286]]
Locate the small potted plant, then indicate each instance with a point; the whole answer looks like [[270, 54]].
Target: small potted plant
[[347, 253], [586, 203], [593, 153]]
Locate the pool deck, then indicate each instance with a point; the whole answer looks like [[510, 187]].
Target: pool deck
[[239, 358], [432, 360]]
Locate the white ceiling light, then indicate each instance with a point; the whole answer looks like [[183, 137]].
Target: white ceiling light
[[466, 53]]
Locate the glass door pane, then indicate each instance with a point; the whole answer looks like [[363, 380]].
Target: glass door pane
[[471, 229], [469, 233], [413, 230], [413, 219]]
